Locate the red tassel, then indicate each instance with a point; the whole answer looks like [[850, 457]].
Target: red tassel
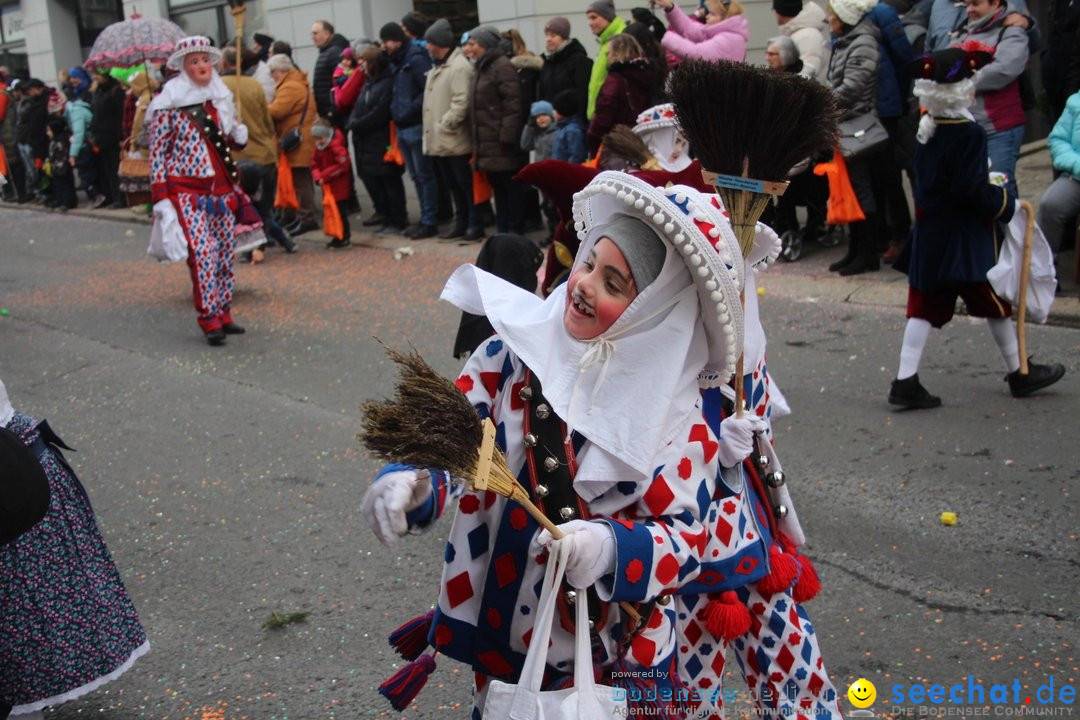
[[728, 617], [809, 584], [411, 639], [783, 569], [403, 687]]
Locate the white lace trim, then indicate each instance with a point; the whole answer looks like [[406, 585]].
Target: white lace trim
[[84, 689]]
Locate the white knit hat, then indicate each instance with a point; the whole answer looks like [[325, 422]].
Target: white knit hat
[[851, 12]]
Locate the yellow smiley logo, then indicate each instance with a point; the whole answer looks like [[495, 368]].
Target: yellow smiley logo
[[862, 693]]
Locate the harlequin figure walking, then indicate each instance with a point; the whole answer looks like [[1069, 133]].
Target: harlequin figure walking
[[194, 180]]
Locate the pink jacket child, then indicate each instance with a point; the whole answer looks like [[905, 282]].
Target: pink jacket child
[[692, 40]]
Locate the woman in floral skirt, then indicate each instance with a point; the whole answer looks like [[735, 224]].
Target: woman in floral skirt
[[67, 625]]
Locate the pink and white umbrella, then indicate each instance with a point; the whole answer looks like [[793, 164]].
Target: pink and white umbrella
[[134, 41]]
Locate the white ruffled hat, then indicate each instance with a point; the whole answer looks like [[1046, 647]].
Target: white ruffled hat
[[192, 44], [656, 117], [693, 223]]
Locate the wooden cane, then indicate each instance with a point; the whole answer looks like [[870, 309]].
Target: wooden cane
[[1025, 269], [238, 9]]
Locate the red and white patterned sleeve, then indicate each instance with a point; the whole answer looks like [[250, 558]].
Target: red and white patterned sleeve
[[161, 140], [660, 539]]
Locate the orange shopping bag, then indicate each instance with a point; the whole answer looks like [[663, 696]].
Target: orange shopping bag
[[393, 152], [331, 216], [594, 161], [843, 204], [285, 196], [3, 163], [481, 188]]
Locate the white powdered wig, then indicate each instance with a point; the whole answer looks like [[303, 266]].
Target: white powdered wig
[[942, 100]]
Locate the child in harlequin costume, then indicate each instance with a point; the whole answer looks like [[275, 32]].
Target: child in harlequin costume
[[953, 245], [657, 128], [193, 180], [650, 497]]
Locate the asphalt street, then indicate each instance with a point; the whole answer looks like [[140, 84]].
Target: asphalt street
[[227, 480]]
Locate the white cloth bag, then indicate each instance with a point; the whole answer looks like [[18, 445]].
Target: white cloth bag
[[585, 700], [1042, 279], [167, 241]]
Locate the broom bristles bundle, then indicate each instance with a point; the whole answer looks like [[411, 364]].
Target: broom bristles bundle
[[428, 423], [624, 143], [773, 119]]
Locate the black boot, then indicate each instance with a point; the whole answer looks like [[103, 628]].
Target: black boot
[[864, 238], [216, 337], [1038, 377], [850, 255], [910, 393]]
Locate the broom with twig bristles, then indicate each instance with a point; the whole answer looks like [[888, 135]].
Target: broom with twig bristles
[[761, 124], [624, 143], [430, 423]]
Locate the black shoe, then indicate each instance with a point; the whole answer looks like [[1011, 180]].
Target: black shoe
[[1038, 377], [374, 220], [302, 228], [842, 262], [421, 232], [99, 201], [335, 243], [391, 230], [910, 393], [118, 205], [454, 232], [216, 337], [474, 234], [232, 329], [860, 265]]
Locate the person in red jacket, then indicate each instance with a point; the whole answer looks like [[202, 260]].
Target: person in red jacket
[[331, 168]]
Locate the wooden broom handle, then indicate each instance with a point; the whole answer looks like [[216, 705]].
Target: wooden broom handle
[[238, 16], [1025, 270]]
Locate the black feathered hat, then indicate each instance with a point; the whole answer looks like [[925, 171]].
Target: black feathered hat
[[950, 65]]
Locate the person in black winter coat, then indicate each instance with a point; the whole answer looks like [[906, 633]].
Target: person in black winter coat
[[410, 64], [330, 45], [497, 121], [566, 65], [369, 122], [106, 127], [30, 133]]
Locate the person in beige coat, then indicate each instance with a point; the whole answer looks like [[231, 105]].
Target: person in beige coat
[[805, 23], [294, 106], [447, 135], [259, 157]]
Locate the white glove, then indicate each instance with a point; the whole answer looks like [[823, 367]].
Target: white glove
[[240, 134], [590, 551], [737, 438], [390, 497]]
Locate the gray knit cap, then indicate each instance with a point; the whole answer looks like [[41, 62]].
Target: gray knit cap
[[559, 26], [487, 36], [640, 245], [603, 8], [441, 34]]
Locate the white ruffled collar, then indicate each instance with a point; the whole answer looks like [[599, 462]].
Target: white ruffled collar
[[182, 92]]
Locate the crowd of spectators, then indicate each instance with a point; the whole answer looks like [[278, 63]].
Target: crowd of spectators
[[455, 110]]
